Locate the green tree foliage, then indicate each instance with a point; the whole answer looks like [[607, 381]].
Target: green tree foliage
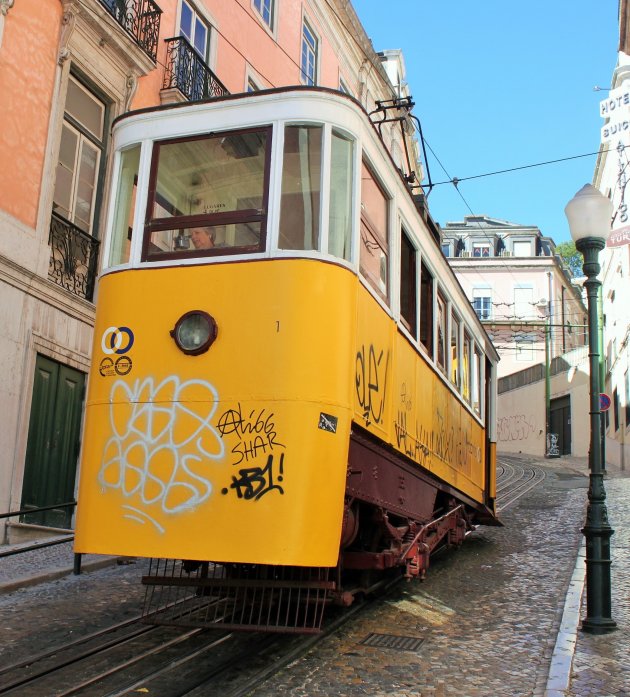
[[571, 257]]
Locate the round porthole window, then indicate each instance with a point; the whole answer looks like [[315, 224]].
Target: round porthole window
[[194, 332]]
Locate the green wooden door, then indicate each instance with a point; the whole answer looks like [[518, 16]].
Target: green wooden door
[[53, 442]]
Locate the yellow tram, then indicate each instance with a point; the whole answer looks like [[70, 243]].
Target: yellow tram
[[286, 373]]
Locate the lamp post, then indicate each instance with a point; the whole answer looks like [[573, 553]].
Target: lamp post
[[589, 214]]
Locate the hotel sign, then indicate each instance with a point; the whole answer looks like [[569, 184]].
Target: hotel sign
[[616, 135]]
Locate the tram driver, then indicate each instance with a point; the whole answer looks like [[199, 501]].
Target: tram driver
[[203, 237]]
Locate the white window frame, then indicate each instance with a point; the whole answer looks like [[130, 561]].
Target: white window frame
[[481, 246], [487, 293], [202, 14], [305, 79], [259, 7], [84, 136], [524, 350], [515, 243]]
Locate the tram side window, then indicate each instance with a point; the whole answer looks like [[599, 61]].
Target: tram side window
[[340, 213], [208, 195], [125, 203], [426, 308], [476, 380], [301, 188], [466, 381], [455, 366], [374, 253], [408, 283], [441, 331]]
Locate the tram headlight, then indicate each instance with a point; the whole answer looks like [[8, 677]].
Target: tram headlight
[[194, 332]]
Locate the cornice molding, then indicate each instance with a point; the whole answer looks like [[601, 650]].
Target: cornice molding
[[46, 291], [90, 19]]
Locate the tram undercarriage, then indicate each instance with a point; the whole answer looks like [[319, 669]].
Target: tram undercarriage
[[395, 517]]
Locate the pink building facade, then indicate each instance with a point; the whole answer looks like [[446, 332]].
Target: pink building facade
[[68, 68]]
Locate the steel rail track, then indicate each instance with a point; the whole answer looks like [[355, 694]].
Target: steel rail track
[[515, 482], [226, 670]]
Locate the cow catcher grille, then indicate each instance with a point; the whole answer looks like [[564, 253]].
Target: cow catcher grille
[[236, 596]]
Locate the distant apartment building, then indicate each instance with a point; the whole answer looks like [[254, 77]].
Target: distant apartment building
[[68, 68], [519, 287]]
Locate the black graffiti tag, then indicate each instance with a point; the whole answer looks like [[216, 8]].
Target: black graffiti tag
[[371, 382], [255, 482], [256, 433]]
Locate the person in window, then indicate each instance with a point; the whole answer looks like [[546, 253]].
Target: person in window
[[202, 237]]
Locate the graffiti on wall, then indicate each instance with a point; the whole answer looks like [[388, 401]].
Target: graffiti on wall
[[163, 446], [515, 427], [440, 439], [371, 382], [255, 444]]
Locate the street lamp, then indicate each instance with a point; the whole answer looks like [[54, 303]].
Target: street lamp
[[589, 214]]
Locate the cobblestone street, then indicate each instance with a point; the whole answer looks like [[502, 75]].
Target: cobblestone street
[[487, 615]]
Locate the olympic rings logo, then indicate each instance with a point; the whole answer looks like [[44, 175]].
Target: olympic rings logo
[[117, 340]]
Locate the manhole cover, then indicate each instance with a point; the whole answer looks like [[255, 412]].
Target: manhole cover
[[392, 641]]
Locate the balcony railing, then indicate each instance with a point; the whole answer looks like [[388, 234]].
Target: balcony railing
[[73, 257], [140, 19], [186, 70]]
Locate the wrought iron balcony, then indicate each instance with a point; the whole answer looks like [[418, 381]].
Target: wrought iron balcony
[[140, 19], [187, 71], [73, 257]]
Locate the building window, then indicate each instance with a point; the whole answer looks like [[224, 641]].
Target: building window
[[79, 157], [627, 399], [481, 250], [408, 288], [616, 407], [522, 249], [482, 302], [266, 11], [446, 249], [309, 55], [523, 302], [525, 350], [343, 87], [195, 30], [426, 308], [252, 86], [374, 252]]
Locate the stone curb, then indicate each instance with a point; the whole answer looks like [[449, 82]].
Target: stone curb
[[54, 574], [562, 659]]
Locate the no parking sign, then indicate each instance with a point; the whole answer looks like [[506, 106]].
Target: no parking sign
[[604, 402]]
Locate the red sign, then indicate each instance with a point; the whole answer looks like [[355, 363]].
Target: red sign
[[619, 237], [604, 402]]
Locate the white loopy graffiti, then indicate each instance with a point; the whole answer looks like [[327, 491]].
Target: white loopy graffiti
[[162, 443]]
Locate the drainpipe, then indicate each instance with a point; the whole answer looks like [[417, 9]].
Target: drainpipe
[[564, 344], [602, 374]]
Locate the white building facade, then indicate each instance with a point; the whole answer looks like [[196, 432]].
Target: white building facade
[[611, 178]]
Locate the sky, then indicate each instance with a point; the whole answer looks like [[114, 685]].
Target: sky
[[499, 84]]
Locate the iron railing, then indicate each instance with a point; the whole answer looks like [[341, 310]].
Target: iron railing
[[73, 257], [140, 19], [186, 70], [46, 543]]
